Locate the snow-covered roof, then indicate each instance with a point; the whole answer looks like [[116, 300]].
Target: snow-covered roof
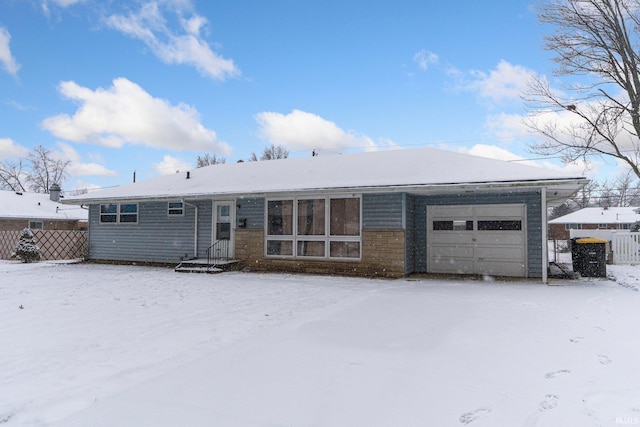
[[37, 206], [612, 215], [423, 168]]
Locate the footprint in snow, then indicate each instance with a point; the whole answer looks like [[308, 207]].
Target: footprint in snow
[[554, 374], [470, 417], [603, 359], [550, 401]]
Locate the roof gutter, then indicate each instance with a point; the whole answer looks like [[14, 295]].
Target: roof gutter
[[430, 188]]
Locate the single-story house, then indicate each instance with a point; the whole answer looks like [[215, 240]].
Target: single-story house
[[38, 211], [387, 213], [597, 218]]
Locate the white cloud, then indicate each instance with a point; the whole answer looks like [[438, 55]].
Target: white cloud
[[151, 28], [306, 131], [499, 153], [65, 3], [170, 165], [506, 82], [77, 166], [126, 114], [424, 59], [6, 57], [9, 149], [507, 127]]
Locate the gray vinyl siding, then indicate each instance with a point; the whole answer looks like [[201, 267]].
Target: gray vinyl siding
[[409, 247], [251, 210], [155, 238], [533, 204], [382, 211]]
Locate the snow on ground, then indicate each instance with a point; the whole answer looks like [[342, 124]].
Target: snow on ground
[[99, 345]]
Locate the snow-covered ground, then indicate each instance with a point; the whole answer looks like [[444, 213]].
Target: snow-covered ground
[[98, 345]]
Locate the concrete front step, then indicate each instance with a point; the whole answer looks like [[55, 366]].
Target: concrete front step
[[201, 266], [198, 269]]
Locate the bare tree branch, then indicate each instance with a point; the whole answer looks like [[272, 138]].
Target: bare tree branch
[[37, 172], [596, 42], [209, 159], [11, 176], [272, 152]]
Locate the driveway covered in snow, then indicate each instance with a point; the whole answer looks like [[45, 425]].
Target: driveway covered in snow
[[129, 346]]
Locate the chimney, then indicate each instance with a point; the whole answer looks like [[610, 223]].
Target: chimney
[[54, 193]]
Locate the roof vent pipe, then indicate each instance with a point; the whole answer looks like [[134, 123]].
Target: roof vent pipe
[[188, 175]]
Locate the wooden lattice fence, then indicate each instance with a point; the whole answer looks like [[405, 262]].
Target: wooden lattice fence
[[54, 244]]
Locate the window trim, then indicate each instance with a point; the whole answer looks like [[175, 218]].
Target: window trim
[[327, 238], [175, 212], [35, 221], [573, 226], [119, 214]]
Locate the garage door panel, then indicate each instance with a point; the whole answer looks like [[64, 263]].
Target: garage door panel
[[500, 238], [453, 212], [499, 253], [499, 268], [453, 266], [514, 211], [495, 244], [452, 251], [453, 238]]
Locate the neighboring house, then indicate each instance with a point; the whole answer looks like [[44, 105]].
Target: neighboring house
[[38, 211], [389, 213], [599, 218]]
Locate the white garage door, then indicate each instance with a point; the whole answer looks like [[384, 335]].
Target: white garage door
[[477, 239]]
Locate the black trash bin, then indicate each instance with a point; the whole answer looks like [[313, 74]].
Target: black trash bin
[[589, 256]]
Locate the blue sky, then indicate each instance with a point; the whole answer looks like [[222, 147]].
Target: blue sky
[[147, 86]]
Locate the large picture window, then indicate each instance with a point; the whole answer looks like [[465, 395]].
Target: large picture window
[[328, 227], [123, 213]]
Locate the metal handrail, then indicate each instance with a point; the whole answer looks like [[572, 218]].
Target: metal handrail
[[219, 251]]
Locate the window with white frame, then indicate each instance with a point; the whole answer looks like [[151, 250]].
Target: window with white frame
[[122, 213], [175, 209], [36, 225], [327, 227]]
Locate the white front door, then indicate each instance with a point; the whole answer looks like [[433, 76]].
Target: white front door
[[223, 224]]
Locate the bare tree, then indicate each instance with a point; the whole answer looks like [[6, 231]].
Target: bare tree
[[271, 152], [37, 172], [587, 196], [11, 176], [209, 159], [45, 170], [595, 42], [623, 191]]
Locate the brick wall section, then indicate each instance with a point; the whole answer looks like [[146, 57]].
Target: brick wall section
[[13, 224], [382, 256], [21, 224]]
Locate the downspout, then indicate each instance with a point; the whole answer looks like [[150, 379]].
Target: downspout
[[195, 237], [545, 245]]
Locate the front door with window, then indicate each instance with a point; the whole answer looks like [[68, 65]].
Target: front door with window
[[223, 218]]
